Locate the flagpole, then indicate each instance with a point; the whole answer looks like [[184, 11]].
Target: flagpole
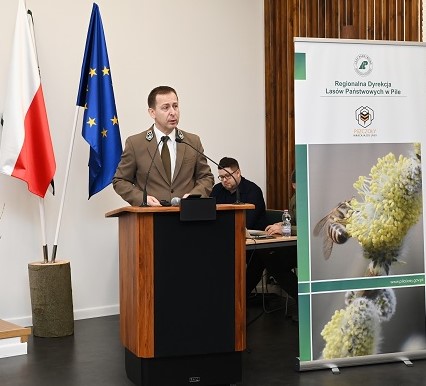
[[43, 229], [67, 172], [41, 200]]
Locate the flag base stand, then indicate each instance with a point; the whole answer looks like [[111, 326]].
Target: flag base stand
[[51, 299]]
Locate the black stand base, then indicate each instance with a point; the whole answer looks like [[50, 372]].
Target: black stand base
[[197, 370]]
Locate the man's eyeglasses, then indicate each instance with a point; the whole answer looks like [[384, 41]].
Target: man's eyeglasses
[[227, 176]]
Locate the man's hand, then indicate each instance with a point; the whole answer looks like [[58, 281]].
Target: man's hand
[[274, 229], [152, 201]]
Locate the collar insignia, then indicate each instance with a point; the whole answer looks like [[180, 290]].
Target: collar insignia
[[149, 135], [179, 134]]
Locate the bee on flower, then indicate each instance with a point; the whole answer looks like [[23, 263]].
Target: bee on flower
[[389, 204]]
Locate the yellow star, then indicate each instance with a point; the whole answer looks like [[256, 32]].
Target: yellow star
[[105, 71], [91, 121], [114, 120], [92, 72], [85, 106], [104, 132]]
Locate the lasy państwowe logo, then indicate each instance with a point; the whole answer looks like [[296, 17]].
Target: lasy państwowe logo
[[363, 65]]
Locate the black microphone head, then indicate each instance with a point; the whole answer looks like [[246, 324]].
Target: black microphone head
[[179, 140]]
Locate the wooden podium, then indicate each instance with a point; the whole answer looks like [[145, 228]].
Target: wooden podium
[[182, 295]]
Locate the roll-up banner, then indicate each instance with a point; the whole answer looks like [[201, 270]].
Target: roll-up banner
[[360, 119]]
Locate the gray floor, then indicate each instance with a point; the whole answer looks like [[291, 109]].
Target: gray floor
[[94, 356]]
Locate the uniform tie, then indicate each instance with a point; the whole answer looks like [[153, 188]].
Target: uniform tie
[[165, 156]]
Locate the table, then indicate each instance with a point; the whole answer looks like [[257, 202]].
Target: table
[[271, 244]]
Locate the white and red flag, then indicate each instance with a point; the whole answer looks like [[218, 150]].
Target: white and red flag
[[26, 150]]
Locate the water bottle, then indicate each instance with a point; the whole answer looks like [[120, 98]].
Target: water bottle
[[286, 229]]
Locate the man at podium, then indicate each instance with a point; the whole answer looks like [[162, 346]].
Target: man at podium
[[154, 166]]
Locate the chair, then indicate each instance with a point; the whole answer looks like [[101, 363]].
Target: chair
[[273, 215], [265, 281]]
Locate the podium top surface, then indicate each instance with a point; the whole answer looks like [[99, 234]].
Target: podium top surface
[[162, 209]]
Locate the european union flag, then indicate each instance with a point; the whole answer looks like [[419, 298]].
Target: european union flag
[[96, 95]]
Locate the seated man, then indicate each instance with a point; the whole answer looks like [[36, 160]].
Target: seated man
[[280, 267], [226, 192]]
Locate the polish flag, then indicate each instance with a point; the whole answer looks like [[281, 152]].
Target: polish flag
[[26, 150]]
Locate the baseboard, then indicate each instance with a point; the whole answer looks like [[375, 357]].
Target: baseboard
[[96, 312], [25, 321], [84, 313]]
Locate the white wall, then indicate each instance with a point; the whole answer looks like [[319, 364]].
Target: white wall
[[211, 51]]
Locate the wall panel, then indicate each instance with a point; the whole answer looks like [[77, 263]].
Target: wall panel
[[349, 19]]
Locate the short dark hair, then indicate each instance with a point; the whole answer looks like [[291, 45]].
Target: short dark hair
[[227, 162], [160, 90]]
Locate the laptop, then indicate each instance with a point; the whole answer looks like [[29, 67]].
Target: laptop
[[256, 234]]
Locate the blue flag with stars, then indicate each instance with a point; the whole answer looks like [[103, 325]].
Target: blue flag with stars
[[96, 95]]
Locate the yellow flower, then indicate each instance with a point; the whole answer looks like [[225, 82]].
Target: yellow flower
[[390, 204], [352, 331]]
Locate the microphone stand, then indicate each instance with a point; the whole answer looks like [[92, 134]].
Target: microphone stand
[[145, 193], [237, 190]]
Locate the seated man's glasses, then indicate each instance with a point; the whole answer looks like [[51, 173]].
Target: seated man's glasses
[[227, 176]]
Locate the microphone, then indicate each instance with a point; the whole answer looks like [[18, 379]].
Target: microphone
[[175, 201], [237, 190], [145, 194]]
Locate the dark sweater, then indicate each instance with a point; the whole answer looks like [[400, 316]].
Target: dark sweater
[[250, 193]]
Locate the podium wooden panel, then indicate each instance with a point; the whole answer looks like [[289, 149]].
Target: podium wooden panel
[[182, 295]]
